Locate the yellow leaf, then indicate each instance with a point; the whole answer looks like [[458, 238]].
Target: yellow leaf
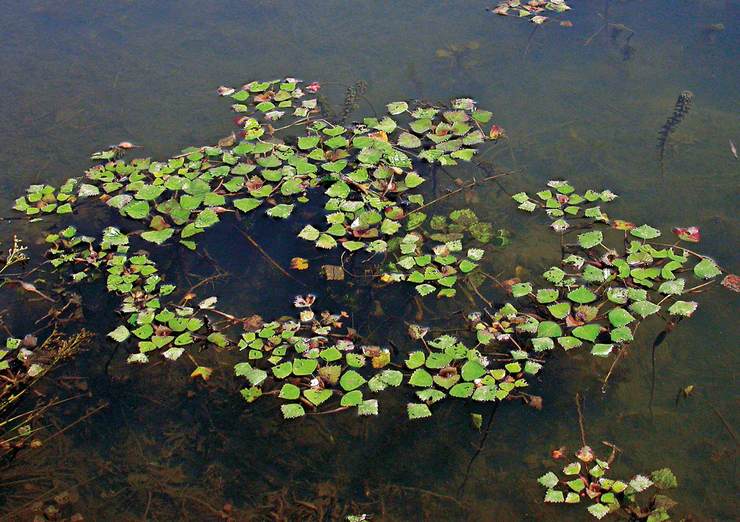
[[299, 263], [379, 135], [203, 372]]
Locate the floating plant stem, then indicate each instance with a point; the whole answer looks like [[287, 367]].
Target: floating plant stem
[[267, 256], [478, 450], [581, 424], [467, 186]]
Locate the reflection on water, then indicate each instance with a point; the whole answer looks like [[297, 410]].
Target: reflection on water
[[80, 76]]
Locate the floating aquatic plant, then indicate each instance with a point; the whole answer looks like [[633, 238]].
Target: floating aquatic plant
[[531, 10], [602, 290], [367, 174], [588, 478]]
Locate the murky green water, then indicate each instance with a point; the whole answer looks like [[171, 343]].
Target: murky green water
[[78, 76]]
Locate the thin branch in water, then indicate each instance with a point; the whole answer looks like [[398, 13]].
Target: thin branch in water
[[267, 256], [478, 450], [457, 191], [581, 426]]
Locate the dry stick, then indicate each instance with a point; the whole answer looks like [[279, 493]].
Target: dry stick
[[658, 340], [457, 191], [616, 360], [267, 256], [529, 42], [427, 492], [479, 449], [726, 424], [580, 418], [84, 417], [49, 493], [477, 292]]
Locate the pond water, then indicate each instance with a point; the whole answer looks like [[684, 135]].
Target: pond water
[[78, 76]]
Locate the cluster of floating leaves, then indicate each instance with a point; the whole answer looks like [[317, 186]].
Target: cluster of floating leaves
[[600, 293], [366, 171], [314, 360], [587, 479], [530, 9], [436, 260]]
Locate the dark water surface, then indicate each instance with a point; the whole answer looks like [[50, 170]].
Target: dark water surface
[[77, 76]]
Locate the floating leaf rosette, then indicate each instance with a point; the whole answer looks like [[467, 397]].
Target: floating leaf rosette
[[587, 479], [599, 294]]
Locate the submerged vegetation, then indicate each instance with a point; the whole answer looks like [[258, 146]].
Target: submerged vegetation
[[680, 110], [288, 158]]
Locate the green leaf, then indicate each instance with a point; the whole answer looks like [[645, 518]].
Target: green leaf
[[462, 390], [353, 398], [621, 334], [326, 241], [309, 233], [303, 367], [674, 287], [581, 295], [644, 308], [413, 180], [120, 334], [559, 310], [408, 141], [281, 211], [415, 360], [291, 186], [587, 332], [397, 107], [568, 343], [553, 496], [290, 392], [541, 344], [308, 142], [317, 397], [645, 232], [425, 289], [547, 295], [247, 204], [620, 317], [598, 510], [158, 236], [472, 370], [351, 380], [338, 190], [548, 480], [368, 407], [601, 350], [684, 308], [521, 289], [281, 371], [467, 266], [549, 329], [706, 269], [590, 239], [292, 411], [640, 483], [418, 411], [421, 379], [136, 209]]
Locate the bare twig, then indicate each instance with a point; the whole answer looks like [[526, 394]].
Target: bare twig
[[457, 191], [267, 256], [580, 419]]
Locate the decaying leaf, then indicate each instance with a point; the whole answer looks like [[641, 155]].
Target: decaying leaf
[[332, 272]]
